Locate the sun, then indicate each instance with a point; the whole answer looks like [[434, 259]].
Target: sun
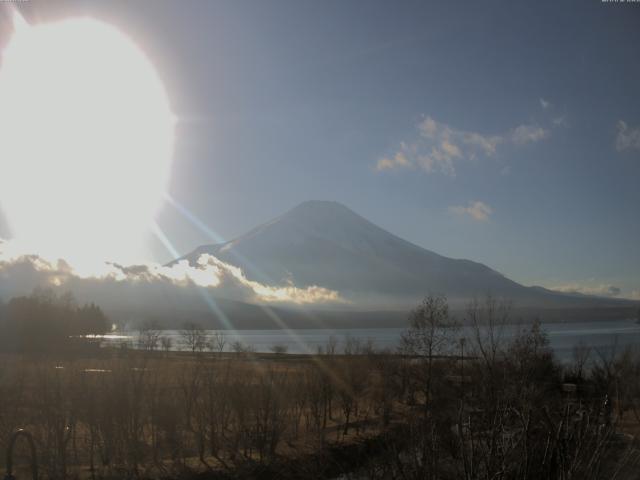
[[86, 141]]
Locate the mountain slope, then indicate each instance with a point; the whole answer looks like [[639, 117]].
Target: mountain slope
[[327, 244]]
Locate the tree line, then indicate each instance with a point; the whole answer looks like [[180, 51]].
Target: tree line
[[44, 321]]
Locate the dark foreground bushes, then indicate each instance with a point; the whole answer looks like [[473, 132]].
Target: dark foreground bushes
[[472, 403]]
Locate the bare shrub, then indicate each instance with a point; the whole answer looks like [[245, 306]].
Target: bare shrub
[[279, 349]]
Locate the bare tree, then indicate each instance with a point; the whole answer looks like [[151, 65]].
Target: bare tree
[[218, 342], [194, 336], [332, 345], [330, 348], [431, 334], [488, 321], [166, 343], [580, 355], [149, 335]]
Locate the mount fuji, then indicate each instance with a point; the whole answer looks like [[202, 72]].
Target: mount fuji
[[326, 244]]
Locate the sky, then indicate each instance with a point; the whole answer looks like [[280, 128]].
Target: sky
[[503, 132]]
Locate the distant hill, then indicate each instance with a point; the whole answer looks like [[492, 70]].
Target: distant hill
[[326, 244]]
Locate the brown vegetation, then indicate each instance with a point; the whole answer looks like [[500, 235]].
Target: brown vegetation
[[483, 407]]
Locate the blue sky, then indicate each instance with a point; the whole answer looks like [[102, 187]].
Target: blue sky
[[503, 132]]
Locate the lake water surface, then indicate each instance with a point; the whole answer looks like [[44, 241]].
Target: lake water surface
[[601, 336]]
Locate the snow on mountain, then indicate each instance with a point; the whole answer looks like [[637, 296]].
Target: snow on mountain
[[326, 244]]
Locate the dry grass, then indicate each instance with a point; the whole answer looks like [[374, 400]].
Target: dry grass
[[139, 413]]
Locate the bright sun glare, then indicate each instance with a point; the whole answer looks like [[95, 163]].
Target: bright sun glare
[[86, 140]]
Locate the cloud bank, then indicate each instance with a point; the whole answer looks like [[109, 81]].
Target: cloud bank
[[438, 147], [20, 274], [600, 290]]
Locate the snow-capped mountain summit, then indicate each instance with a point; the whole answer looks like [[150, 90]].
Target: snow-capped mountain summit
[[325, 243]]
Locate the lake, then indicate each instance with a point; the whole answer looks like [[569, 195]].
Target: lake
[[599, 335]]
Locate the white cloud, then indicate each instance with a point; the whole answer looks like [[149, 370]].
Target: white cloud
[[524, 134], [19, 274], [398, 160], [600, 290], [545, 104], [627, 138], [560, 121], [477, 210], [438, 147]]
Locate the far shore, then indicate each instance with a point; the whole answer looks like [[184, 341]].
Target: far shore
[[343, 320]]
